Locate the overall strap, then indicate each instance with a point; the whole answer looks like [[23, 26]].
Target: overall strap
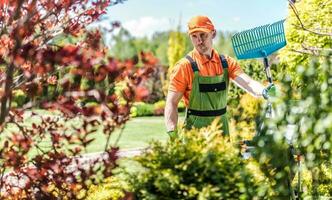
[[224, 62], [224, 65], [193, 64]]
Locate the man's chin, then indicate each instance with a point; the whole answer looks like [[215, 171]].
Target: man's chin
[[201, 51]]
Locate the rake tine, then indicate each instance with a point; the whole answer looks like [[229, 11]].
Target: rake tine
[[268, 38]]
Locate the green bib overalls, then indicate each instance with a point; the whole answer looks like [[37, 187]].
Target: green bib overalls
[[208, 98]]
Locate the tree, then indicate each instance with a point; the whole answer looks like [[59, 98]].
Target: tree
[[123, 47], [31, 61], [308, 33], [160, 44], [175, 51], [302, 128], [224, 43], [305, 103]]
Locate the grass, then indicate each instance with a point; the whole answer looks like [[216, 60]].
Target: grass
[[137, 132]]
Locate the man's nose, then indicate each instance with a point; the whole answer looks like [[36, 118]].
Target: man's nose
[[199, 40]]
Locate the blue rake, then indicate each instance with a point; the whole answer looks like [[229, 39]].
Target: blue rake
[[260, 42]]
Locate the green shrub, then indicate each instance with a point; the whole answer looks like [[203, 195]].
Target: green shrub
[[200, 165], [19, 98], [309, 110], [159, 107], [141, 109], [245, 115], [255, 69], [324, 187], [112, 189]]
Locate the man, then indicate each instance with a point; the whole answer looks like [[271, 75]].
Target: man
[[202, 80]]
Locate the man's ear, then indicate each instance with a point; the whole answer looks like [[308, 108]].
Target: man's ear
[[214, 33]]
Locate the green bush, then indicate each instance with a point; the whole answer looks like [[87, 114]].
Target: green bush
[[309, 110], [140, 109], [255, 69], [200, 165], [325, 181], [159, 107], [245, 114], [112, 189], [19, 98]]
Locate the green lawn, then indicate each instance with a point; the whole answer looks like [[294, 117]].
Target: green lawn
[[137, 133]]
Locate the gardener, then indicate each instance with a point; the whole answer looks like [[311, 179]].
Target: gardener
[[202, 80]]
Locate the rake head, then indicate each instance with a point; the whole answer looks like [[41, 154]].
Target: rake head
[[260, 41]]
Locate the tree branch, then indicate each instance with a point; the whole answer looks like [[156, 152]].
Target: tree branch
[[315, 49], [315, 52], [292, 5]]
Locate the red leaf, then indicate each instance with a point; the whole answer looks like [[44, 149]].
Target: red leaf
[[141, 93]]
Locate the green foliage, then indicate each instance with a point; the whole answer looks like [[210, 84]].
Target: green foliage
[[255, 69], [160, 46], [87, 84], [312, 112], [111, 189], [274, 155], [19, 98], [176, 47], [309, 110], [127, 46], [245, 114], [159, 107], [64, 39], [324, 187], [141, 109], [316, 17], [175, 51], [250, 107], [224, 43], [200, 165], [123, 47]]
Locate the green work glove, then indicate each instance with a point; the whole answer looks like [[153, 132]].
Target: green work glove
[[269, 91], [172, 134]]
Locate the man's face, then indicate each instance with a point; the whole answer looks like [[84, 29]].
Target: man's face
[[202, 41]]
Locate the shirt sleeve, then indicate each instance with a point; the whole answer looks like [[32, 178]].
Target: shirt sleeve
[[179, 78], [234, 68]]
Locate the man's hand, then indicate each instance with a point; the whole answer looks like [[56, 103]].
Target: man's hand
[[172, 135], [269, 91]]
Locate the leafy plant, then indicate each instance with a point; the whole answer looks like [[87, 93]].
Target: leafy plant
[[308, 110], [200, 165], [142, 109], [112, 188], [51, 76], [308, 33], [159, 107]]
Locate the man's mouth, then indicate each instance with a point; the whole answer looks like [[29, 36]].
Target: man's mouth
[[201, 46]]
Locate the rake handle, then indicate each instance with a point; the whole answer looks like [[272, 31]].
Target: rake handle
[[267, 70], [268, 113]]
